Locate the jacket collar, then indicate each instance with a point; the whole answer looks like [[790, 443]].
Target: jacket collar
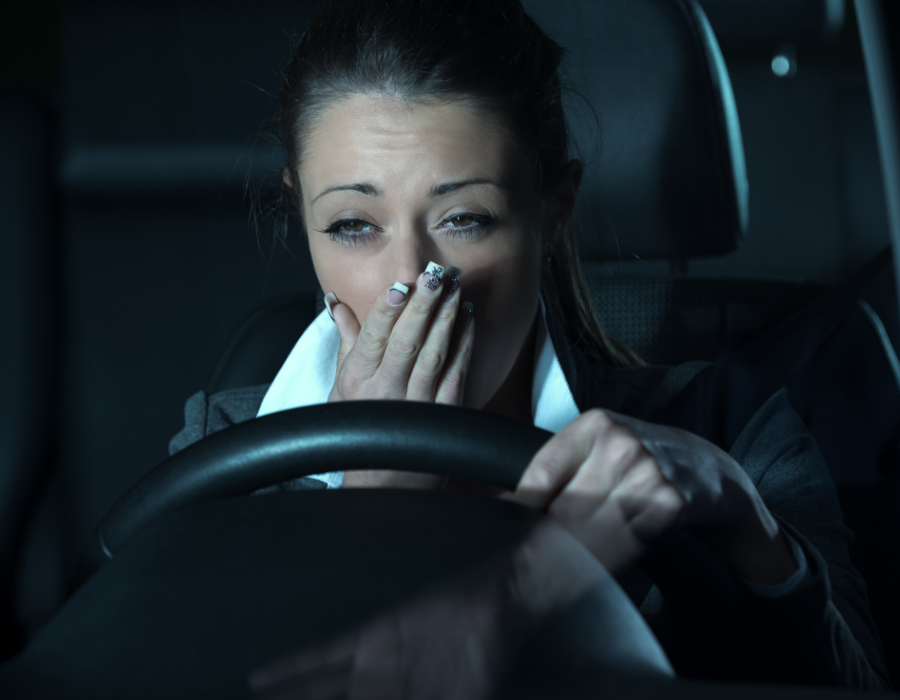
[[578, 370]]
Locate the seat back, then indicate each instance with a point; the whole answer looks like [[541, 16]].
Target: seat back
[[29, 253]]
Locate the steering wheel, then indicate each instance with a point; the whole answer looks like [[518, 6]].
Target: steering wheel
[[397, 435], [183, 574]]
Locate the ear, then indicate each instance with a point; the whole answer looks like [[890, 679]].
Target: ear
[[286, 176], [564, 201]]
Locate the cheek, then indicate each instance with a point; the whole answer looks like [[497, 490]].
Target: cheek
[[507, 282], [354, 279], [504, 288]]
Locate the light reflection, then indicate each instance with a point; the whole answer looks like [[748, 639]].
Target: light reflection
[[549, 599]]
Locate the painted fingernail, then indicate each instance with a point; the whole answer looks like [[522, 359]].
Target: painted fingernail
[[453, 274], [467, 306], [330, 302], [431, 278], [397, 293]]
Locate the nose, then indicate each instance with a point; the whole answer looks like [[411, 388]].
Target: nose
[[411, 251]]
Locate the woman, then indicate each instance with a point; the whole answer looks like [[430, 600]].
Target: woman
[[427, 159]]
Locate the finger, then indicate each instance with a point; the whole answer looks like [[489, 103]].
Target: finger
[[659, 512], [609, 537], [347, 325], [313, 662], [557, 462], [371, 338], [429, 364], [649, 503], [408, 334], [452, 384], [613, 459]]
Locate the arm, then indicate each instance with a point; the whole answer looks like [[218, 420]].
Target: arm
[[205, 415], [630, 489], [827, 616], [818, 632]]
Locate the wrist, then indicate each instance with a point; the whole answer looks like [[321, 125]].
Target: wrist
[[757, 556]]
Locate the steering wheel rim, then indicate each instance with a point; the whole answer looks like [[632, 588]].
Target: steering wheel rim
[[398, 435]]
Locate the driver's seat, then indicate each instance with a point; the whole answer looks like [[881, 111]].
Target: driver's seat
[[685, 197]]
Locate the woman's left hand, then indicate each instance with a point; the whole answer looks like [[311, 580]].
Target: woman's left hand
[[616, 483]]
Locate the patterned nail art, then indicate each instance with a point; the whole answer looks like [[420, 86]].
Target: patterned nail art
[[453, 274], [433, 274]]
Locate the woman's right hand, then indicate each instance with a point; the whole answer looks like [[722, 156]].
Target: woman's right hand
[[414, 345], [410, 346]]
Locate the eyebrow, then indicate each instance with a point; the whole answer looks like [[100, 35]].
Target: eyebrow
[[436, 191], [447, 187]]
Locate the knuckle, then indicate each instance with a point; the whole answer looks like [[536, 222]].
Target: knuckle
[[402, 348], [370, 340], [422, 384], [385, 309], [627, 448], [455, 377], [430, 362], [445, 315], [541, 476], [349, 386], [420, 304], [645, 475], [669, 500], [597, 420]]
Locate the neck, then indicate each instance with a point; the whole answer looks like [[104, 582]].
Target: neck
[[513, 398]]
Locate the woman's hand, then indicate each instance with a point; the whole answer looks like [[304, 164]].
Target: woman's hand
[[403, 348], [617, 483], [415, 345]]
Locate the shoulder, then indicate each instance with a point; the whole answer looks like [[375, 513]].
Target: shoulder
[[205, 414]]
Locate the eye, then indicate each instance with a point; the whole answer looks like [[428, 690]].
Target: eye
[[351, 231], [469, 225], [354, 225], [463, 220]]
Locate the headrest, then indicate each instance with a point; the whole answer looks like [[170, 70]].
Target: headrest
[[163, 100], [768, 23], [670, 180]]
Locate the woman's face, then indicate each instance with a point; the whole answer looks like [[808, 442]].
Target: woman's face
[[388, 187]]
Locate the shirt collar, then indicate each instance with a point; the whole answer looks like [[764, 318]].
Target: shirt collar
[[553, 406]]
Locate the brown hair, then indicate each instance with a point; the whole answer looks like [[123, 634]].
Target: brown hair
[[487, 53]]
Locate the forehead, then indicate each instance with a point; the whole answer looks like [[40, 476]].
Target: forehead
[[377, 137]]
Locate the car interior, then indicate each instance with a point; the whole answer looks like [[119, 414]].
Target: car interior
[[736, 177]]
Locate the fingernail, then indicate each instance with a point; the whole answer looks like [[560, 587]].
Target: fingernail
[[453, 274], [398, 293], [431, 278], [330, 302], [467, 306]]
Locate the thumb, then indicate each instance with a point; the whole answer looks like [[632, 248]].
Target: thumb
[[347, 325]]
